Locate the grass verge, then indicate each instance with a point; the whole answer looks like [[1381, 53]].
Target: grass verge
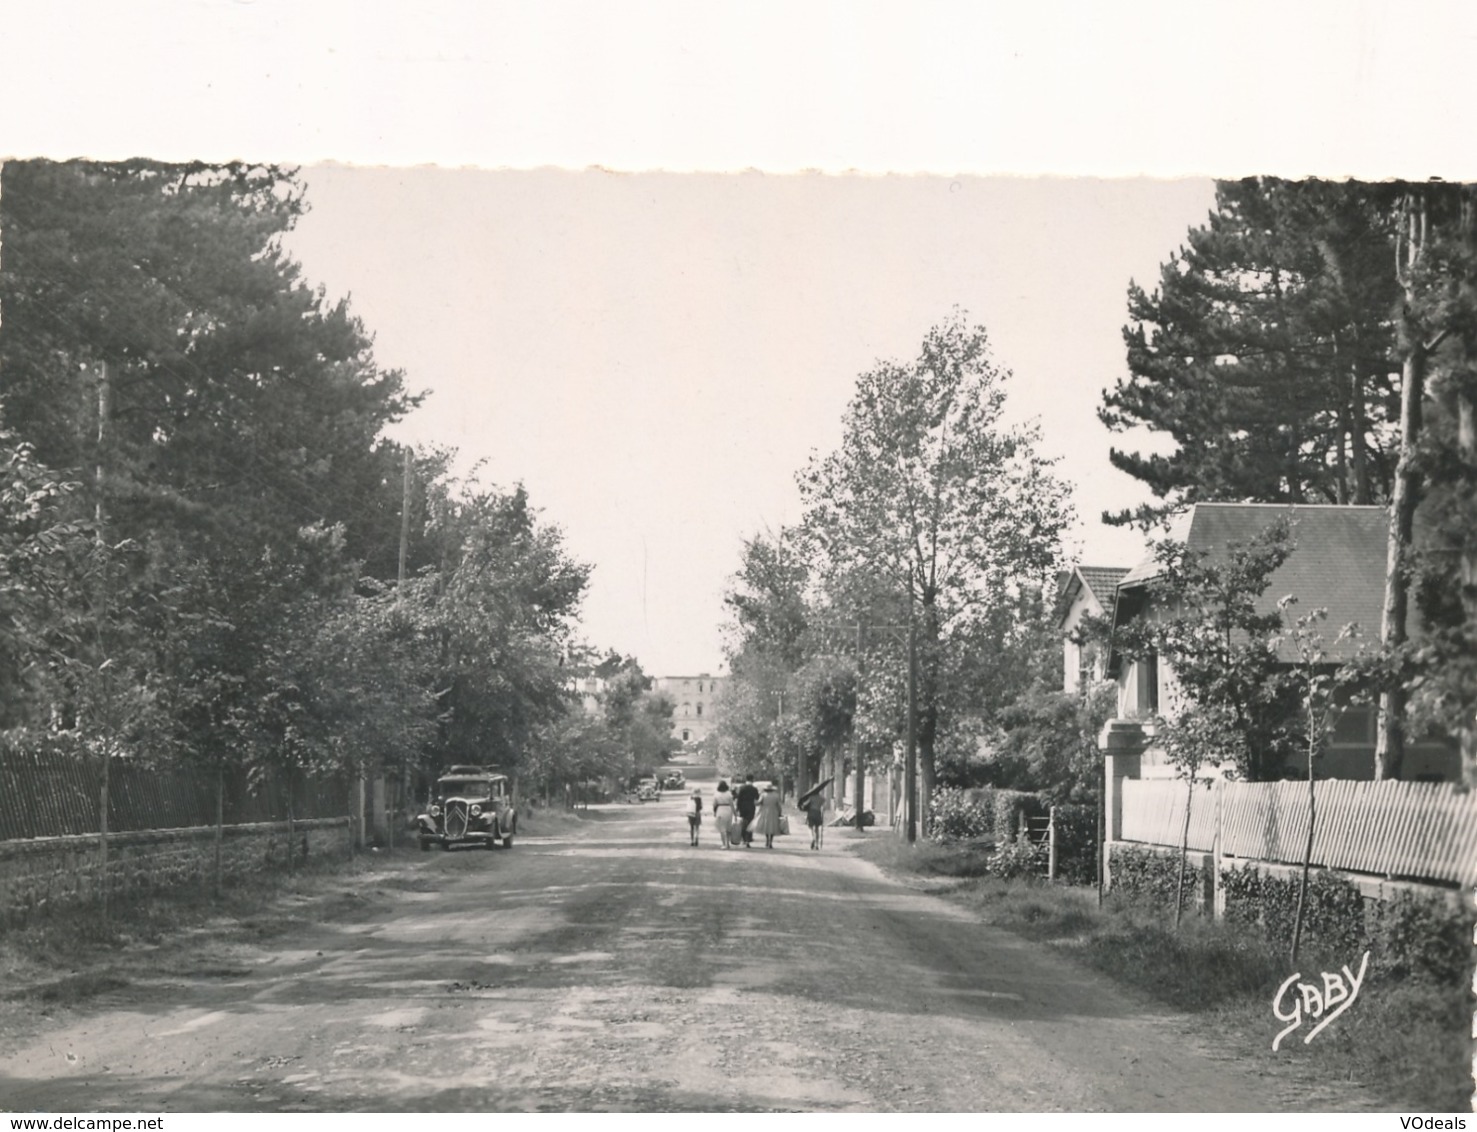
[[1408, 1040]]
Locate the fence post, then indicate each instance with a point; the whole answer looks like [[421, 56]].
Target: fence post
[[1051, 843], [1217, 855]]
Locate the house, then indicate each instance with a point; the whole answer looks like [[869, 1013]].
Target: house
[[1338, 564], [1085, 591]]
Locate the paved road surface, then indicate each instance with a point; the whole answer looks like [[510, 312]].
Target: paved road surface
[[619, 968]]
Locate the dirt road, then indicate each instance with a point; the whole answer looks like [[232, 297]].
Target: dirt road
[[620, 968]]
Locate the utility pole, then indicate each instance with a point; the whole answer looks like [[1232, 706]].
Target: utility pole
[[404, 524], [399, 588], [910, 769], [104, 720], [779, 722], [856, 742]]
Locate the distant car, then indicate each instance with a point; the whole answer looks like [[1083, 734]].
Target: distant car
[[472, 806], [675, 780], [648, 792]]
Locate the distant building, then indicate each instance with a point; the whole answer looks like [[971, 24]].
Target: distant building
[[591, 691], [696, 700]]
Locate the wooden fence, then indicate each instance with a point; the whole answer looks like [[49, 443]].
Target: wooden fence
[[1412, 830], [57, 793]]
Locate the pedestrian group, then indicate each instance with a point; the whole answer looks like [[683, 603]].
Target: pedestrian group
[[740, 814]]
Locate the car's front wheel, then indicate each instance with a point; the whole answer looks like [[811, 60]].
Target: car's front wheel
[[425, 844]]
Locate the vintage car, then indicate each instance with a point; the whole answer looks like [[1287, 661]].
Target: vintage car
[[473, 805], [648, 792]]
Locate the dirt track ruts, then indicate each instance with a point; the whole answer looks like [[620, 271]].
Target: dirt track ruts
[[619, 968]]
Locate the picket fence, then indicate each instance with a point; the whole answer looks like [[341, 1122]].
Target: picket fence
[[1411, 830]]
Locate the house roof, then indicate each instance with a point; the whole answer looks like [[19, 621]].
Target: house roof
[[1103, 581], [1337, 562], [1100, 581]]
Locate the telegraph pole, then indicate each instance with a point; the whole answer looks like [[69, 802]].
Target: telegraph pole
[[910, 770], [105, 715], [404, 524], [399, 587], [856, 742]]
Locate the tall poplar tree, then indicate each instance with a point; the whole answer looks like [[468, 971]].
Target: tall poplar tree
[[938, 501]]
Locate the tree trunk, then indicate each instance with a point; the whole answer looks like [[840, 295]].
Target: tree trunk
[[1467, 448], [1390, 746], [1297, 920], [291, 864], [928, 718], [220, 820], [860, 791], [1358, 448]]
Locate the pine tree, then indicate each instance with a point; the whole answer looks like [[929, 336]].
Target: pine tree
[[1266, 354]]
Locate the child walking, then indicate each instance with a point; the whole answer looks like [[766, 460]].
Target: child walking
[[694, 814]]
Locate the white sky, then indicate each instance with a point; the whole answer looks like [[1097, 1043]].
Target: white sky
[[655, 356]]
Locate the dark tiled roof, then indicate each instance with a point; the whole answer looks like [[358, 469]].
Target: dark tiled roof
[[1104, 581], [1101, 580], [1338, 561]]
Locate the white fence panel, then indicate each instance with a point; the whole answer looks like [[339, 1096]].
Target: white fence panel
[[1154, 812]]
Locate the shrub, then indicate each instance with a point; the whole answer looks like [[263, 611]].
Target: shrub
[[1017, 859], [1332, 921], [1408, 937], [957, 816], [1154, 876], [1076, 843], [1422, 939], [999, 815]]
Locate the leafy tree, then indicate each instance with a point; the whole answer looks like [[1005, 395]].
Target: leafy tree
[[769, 639], [1048, 742], [504, 606], [1197, 734], [822, 708], [1318, 685], [1437, 475], [933, 497], [1221, 647]]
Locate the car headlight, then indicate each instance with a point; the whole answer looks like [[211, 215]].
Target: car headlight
[[435, 811], [476, 810]]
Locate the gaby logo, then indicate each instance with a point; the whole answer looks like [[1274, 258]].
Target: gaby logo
[[1298, 1000]]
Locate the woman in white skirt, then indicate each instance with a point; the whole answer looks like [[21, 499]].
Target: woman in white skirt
[[723, 813]]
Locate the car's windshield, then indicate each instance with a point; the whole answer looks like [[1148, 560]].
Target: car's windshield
[[476, 787]]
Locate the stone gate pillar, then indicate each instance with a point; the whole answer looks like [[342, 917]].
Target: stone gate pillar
[[1122, 743]]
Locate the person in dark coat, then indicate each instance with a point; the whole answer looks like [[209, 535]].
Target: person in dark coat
[[815, 817], [747, 800]]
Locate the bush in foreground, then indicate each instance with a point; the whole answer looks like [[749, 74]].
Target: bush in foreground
[[1406, 1037]]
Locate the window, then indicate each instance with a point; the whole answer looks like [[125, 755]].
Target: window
[[1146, 690], [700, 710], [1353, 728], [1085, 665]]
